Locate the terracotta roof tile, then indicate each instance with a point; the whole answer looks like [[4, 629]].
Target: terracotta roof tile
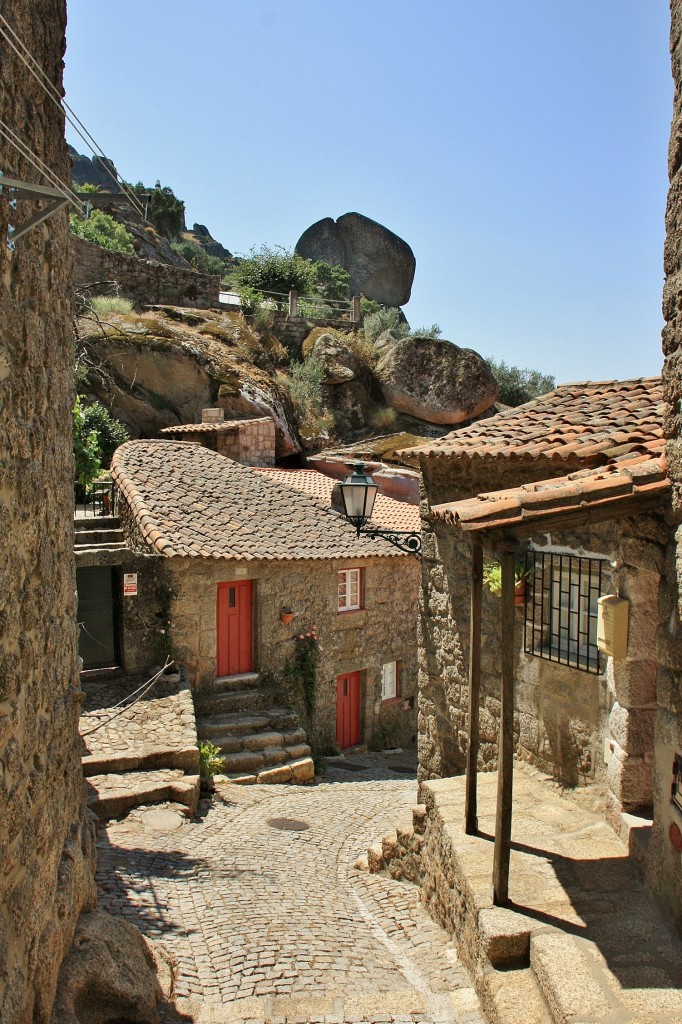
[[223, 427], [389, 514], [191, 502], [574, 423], [630, 478]]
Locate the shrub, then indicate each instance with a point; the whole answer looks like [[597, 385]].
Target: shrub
[[198, 258], [306, 389], [311, 310], [103, 230], [275, 270], [104, 305], [385, 419], [434, 331], [211, 760], [333, 283], [166, 211], [85, 447], [385, 320], [109, 432], [519, 385]]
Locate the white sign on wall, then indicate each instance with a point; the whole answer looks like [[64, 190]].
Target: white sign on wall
[[130, 584]]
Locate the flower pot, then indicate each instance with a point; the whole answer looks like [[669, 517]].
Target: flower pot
[[286, 617], [520, 593]]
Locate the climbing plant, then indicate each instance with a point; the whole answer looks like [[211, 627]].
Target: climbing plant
[[300, 669]]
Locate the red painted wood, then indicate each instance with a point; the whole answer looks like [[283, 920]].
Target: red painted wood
[[348, 710], [234, 628]]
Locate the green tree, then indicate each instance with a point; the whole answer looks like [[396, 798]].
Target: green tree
[[167, 212], [331, 282], [275, 270], [109, 432], [103, 230], [519, 385], [85, 447], [197, 258]]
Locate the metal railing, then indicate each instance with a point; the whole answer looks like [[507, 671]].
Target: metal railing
[[309, 307], [95, 500]]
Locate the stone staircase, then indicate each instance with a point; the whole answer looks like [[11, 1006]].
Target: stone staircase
[[261, 741], [145, 755], [98, 532]]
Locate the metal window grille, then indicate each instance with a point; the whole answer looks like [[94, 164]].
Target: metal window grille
[[560, 622], [677, 781]]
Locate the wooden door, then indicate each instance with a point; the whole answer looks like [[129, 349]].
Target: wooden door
[[234, 629], [348, 710], [98, 617]]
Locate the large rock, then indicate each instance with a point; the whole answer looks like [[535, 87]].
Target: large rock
[[108, 976], [434, 380], [336, 357], [381, 265]]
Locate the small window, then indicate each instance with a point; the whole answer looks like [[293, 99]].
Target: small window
[[350, 590], [389, 680], [561, 609]]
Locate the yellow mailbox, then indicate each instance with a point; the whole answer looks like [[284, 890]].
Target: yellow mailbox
[[612, 625]]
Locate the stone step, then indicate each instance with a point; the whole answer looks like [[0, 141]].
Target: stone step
[[209, 705], [221, 684], [238, 724], [256, 761], [113, 795], [82, 548], [96, 523], [257, 741], [186, 758], [298, 772], [93, 538]]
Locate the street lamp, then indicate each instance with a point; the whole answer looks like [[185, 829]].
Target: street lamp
[[358, 492]]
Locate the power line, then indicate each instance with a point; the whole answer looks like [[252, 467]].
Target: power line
[[42, 168], [53, 94]]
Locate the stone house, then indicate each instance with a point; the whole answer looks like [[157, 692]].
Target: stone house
[[574, 486], [249, 559], [248, 441]]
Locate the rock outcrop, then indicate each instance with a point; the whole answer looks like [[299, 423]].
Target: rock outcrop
[[434, 380], [335, 356], [381, 265], [109, 975], [161, 368]]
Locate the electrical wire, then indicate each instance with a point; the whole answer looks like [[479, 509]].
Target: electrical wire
[[53, 94], [43, 169]]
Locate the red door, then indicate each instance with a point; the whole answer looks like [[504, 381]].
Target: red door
[[348, 710], [234, 639]]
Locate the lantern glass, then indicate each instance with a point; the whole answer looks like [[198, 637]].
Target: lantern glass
[[358, 492]]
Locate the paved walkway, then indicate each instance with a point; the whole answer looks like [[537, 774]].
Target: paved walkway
[[275, 923]]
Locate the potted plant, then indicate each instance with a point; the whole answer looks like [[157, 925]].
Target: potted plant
[[492, 579], [286, 615]]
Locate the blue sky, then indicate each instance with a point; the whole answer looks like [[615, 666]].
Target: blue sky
[[519, 148]]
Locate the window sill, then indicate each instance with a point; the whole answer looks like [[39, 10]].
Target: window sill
[[391, 700]]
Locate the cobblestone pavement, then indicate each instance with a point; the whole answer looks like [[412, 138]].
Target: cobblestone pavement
[[161, 722], [269, 923]]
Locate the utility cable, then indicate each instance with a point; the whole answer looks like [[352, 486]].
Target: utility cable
[[42, 168], [53, 94]]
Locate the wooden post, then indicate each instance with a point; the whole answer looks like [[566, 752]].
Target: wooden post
[[471, 816], [355, 314], [505, 740], [293, 302]]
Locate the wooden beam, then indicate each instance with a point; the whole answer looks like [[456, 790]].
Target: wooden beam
[[505, 739], [473, 738]]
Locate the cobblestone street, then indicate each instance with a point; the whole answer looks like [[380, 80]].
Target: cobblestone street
[[269, 922]]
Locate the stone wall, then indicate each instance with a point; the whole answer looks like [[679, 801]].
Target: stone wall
[[384, 630], [251, 444], [46, 838], [664, 868], [102, 271], [293, 330], [575, 725]]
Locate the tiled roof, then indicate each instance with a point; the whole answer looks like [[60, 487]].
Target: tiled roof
[[575, 423], [190, 501], [388, 514], [223, 427], [623, 485]]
